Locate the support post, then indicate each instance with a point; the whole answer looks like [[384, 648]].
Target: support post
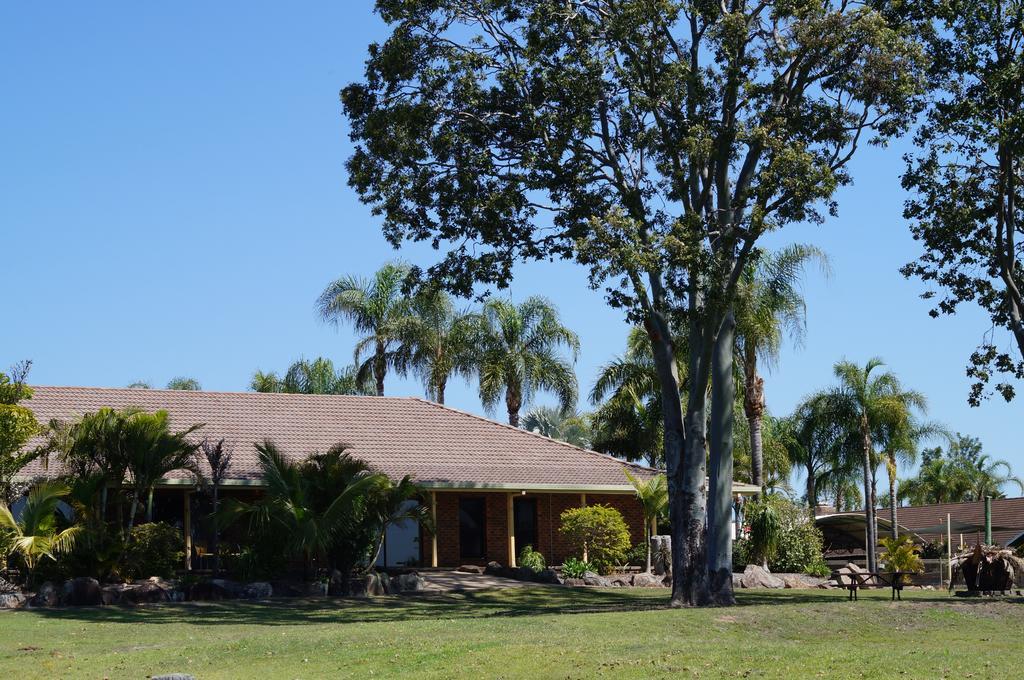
[[186, 526], [510, 512], [583, 504], [949, 549], [433, 534], [988, 520]]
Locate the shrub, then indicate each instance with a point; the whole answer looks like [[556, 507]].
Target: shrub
[[575, 568], [599, 532], [155, 549], [797, 545], [637, 556], [901, 554], [531, 559]]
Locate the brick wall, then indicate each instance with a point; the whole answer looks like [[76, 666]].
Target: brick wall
[[549, 540]]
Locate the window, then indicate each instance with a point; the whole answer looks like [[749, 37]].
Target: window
[[472, 536], [525, 512]]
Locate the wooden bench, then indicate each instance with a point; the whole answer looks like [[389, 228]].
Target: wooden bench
[[856, 580]]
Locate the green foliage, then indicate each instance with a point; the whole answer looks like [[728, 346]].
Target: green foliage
[[600, 532], [819, 569], [41, 532], [313, 377], [574, 567], [531, 559], [519, 355], [636, 556], [901, 554], [962, 473], [795, 545], [155, 549], [18, 425], [183, 383], [570, 427]]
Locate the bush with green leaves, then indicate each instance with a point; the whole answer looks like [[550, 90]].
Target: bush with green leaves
[[599, 532], [783, 533], [155, 549], [576, 568], [531, 559]]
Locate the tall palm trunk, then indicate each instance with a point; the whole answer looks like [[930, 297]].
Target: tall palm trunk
[[215, 543], [871, 539], [149, 505], [440, 391], [380, 367], [890, 468], [753, 406], [513, 402], [812, 491]]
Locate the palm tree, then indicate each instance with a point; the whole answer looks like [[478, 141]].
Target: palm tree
[[571, 428], [768, 304], [987, 476], [375, 308], [878, 401], [313, 377], [316, 505], [95, 445], [899, 443], [519, 355], [394, 503], [653, 496], [938, 481], [627, 422], [152, 452], [437, 342], [37, 534], [217, 456]]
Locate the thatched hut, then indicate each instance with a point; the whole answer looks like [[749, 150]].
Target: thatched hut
[[987, 569]]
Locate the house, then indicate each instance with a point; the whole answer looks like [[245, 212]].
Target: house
[[492, 488]]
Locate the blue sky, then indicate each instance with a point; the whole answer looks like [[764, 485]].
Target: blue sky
[[174, 198]]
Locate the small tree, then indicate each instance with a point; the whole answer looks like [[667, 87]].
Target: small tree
[[901, 555], [217, 457], [599, 533], [653, 496], [17, 426], [37, 533]]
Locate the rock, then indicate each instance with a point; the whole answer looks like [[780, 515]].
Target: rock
[[8, 587], [112, 594], [547, 576], [231, 589], [145, 592], [207, 590], [591, 578], [827, 585], [574, 582], [661, 554], [494, 569], [524, 574], [757, 577], [620, 580], [370, 585], [801, 581], [83, 591], [12, 600], [258, 590], [472, 568], [46, 596], [644, 580], [408, 583]]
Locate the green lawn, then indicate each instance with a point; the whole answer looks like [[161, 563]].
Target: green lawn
[[543, 632]]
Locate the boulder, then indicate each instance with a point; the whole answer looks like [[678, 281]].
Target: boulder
[[620, 580], [8, 587], [369, 585], [83, 591], [494, 569], [591, 578], [547, 576], [207, 590], [573, 582], [758, 577], [257, 590], [523, 574], [46, 596], [408, 583], [12, 600], [801, 581], [145, 592], [645, 580], [472, 568], [113, 594]]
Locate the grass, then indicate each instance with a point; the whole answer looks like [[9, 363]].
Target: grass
[[542, 632]]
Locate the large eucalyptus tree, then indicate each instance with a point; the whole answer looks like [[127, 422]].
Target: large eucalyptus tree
[[653, 142]]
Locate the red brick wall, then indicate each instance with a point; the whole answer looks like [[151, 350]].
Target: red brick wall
[[549, 540]]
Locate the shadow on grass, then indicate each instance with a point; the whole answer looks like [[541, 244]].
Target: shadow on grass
[[484, 604]]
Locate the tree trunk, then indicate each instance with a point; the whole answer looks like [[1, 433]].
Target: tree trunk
[[649, 521], [513, 402], [812, 492], [753, 406], [723, 399], [149, 505], [380, 367], [891, 469], [131, 517], [871, 539], [440, 391]]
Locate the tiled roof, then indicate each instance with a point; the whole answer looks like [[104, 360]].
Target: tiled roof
[[437, 445], [1007, 519]]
